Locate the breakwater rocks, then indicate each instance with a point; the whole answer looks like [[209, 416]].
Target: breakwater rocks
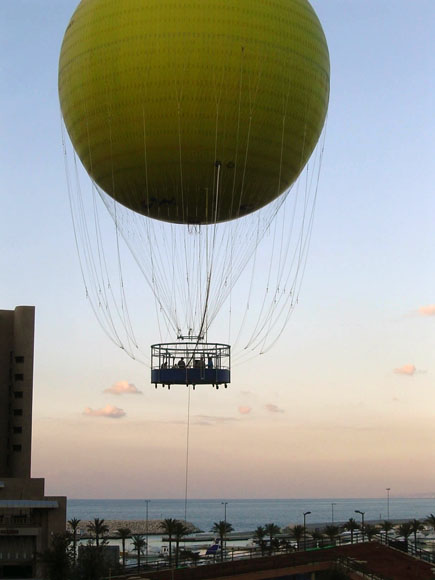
[[136, 527]]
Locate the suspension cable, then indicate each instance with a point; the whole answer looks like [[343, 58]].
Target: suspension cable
[[186, 482]]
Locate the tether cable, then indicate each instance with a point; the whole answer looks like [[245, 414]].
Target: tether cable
[[186, 483]]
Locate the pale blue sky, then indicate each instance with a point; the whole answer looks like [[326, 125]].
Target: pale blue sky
[[349, 425]]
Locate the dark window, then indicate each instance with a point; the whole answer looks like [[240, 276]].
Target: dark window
[[16, 447], [18, 412], [19, 359], [19, 377], [18, 430], [18, 394]]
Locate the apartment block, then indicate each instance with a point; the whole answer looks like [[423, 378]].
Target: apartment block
[[28, 518]]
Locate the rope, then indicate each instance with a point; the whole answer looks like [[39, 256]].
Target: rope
[[187, 455]]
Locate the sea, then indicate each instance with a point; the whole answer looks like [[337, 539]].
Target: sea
[[246, 514]]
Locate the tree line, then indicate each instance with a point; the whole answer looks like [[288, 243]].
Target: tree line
[[271, 538], [63, 562]]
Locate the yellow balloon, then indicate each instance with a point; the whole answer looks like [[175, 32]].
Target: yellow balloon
[[194, 111]]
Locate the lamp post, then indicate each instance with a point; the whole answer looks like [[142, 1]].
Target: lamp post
[[225, 503], [388, 503], [362, 521], [147, 501], [332, 512], [305, 529]]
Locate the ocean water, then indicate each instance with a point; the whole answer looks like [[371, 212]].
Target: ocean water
[[247, 514]]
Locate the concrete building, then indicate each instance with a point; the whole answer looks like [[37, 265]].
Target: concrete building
[[28, 518]]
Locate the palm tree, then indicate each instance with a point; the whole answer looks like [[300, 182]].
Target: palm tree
[[332, 532], [297, 533], [351, 525], [99, 528], [285, 544], [370, 531], [430, 521], [317, 536], [181, 530], [74, 523], [139, 542], [124, 534], [169, 527], [276, 544], [222, 528], [259, 535], [194, 557], [416, 526], [387, 526], [271, 530], [405, 530]]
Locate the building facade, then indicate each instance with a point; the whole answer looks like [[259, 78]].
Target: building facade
[[28, 518]]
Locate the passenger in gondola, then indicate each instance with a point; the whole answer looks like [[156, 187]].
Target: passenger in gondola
[[164, 365], [210, 363], [181, 363]]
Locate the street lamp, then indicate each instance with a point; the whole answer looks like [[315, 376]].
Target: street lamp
[[388, 502], [305, 529], [225, 503], [332, 511], [147, 501], [362, 521]]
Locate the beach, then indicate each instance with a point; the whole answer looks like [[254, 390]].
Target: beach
[[152, 527]]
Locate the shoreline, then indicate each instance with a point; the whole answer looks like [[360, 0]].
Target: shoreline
[[136, 527], [155, 526]]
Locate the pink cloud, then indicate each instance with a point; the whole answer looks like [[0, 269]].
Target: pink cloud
[[428, 310], [245, 410], [123, 388], [273, 408], [108, 411], [406, 370]]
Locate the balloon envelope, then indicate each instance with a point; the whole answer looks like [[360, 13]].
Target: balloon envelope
[[195, 112]]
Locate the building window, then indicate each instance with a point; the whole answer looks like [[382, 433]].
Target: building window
[[18, 394], [18, 430], [18, 412], [16, 447], [19, 377], [19, 359]]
